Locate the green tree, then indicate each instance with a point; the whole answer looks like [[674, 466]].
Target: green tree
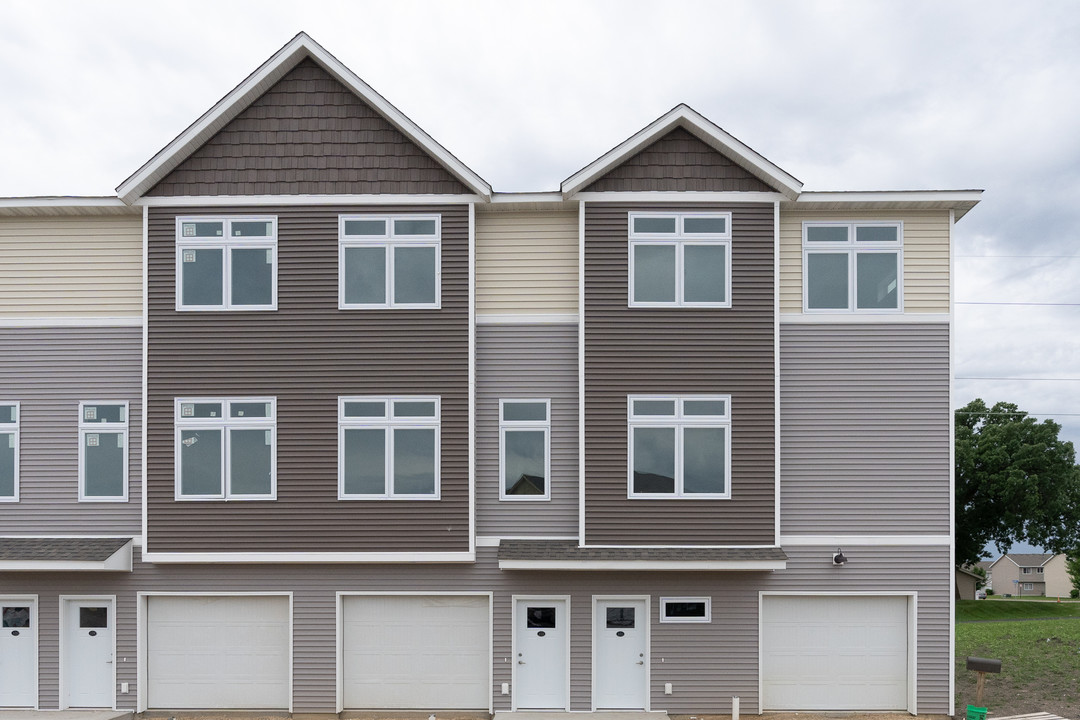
[[1072, 566], [1016, 481]]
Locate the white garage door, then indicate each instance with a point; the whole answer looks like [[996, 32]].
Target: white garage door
[[415, 652], [217, 653], [834, 653]]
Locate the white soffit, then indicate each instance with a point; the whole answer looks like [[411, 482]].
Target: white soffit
[[701, 127], [258, 83], [54, 206], [959, 200]]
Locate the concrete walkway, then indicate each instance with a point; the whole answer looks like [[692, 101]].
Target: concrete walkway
[[63, 714]]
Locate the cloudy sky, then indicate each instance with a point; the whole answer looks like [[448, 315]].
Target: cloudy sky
[[912, 94]]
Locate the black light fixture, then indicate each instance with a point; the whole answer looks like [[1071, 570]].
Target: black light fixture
[[839, 558]]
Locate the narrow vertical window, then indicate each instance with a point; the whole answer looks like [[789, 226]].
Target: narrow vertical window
[[103, 451], [9, 451], [525, 449]]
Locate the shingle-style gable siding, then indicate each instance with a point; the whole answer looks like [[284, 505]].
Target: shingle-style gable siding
[[678, 162], [308, 134]]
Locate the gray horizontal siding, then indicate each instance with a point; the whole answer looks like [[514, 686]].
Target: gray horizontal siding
[[706, 664], [306, 354], [680, 351], [527, 361], [864, 428], [50, 370]]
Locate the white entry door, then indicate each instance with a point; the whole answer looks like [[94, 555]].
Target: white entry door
[[18, 653], [541, 644], [622, 654], [87, 670]]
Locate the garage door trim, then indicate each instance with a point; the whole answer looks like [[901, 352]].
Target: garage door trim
[[142, 632], [912, 633]]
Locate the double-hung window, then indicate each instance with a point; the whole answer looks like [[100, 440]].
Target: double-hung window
[[389, 261], [103, 454], [226, 263], [853, 266], [524, 449], [9, 451], [679, 447], [226, 448], [680, 259], [388, 448]]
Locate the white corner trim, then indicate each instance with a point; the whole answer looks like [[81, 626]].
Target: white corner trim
[[471, 379], [308, 557], [233, 200], [865, 540], [581, 373], [850, 318], [631, 565], [529, 319], [776, 374], [57, 321]]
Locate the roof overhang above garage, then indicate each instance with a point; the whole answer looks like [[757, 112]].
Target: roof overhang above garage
[[567, 555], [54, 554]]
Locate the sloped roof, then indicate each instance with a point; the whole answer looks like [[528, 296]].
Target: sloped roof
[[65, 553], [259, 82], [1030, 559]]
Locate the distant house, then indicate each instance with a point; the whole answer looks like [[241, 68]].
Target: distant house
[[985, 565], [1030, 574], [966, 583]]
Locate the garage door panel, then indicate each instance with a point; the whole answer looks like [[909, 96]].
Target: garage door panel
[[834, 653], [218, 653], [415, 652]]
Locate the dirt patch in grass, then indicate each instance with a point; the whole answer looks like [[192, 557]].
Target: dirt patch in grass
[[1040, 666]]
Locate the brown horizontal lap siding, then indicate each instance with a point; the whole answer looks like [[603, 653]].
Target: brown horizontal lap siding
[[678, 162], [306, 354], [308, 134], [681, 351]]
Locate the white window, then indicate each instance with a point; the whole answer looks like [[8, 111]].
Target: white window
[[853, 266], [1029, 586], [680, 259], [226, 263], [524, 449], [389, 261], [686, 610], [103, 451], [1038, 571], [9, 451], [226, 448], [388, 448], [679, 446], [1025, 571]]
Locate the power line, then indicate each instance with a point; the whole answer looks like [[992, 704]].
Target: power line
[[1030, 304], [1022, 257], [1002, 377], [1018, 412]]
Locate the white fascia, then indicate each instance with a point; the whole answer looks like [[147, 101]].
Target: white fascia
[[701, 127], [259, 82], [308, 557], [960, 201], [119, 561], [633, 565]]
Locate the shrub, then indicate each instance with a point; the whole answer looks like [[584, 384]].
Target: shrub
[[990, 591], [1074, 593]]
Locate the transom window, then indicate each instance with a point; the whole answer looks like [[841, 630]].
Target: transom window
[[389, 261], [9, 451], [686, 610], [388, 448], [524, 449], [226, 448], [679, 446], [852, 266], [680, 259], [103, 454], [226, 263]]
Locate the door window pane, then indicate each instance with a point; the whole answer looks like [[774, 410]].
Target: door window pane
[[16, 617], [365, 461], [250, 462], [200, 462], [540, 617], [93, 617], [104, 456], [704, 451], [365, 275], [827, 281], [525, 462], [414, 275], [654, 273], [252, 276], [620, 617], [876, 280], [654, 460], [201, 272], [705, 273], [414, 461]]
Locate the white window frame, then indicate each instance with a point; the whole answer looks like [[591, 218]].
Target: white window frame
[[665, 618], [1029, 586], [679, 240], [225, 424], [852, 248], [389, 423], [679, 421], [226, 244], [526, 425], [86, 428], [391, 242], [1038, 571], [1025, 571], [13, 428]]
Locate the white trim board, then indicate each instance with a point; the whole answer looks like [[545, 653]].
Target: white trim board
[[865, 540], [635, 565], [57, 321], [862, 318], [308, 557], [526, 319], [685, 197], [236, 200], [279, 64]]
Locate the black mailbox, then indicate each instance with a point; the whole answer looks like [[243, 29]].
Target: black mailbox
[[984, 664]]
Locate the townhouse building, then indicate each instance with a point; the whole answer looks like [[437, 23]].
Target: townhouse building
[[310, 419]]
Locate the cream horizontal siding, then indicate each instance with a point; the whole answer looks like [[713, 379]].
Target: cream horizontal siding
[[926, 255], [526, 262], [65, 266]]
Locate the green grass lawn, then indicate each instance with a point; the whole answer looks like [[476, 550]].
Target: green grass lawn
[[1006, 610], [1040, 659], [1033, 598]]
